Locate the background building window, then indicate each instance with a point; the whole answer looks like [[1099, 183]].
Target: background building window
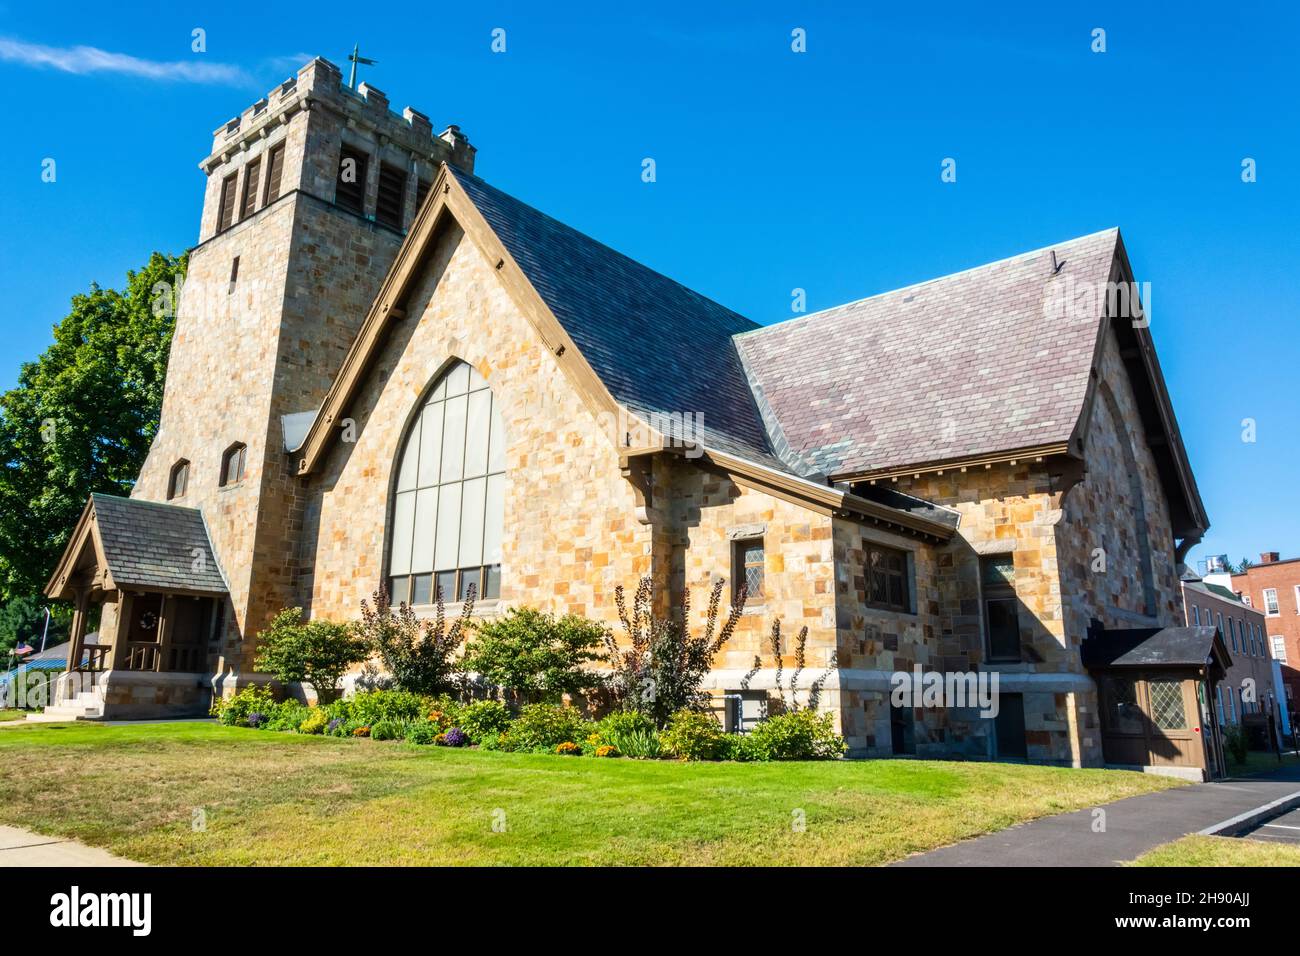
[[1279, 647], [178, 480], [232, 464], [1196, 615], [449, 501], [350, 190], [747, 558], [1001, 615], [887, 581], [1270, 602]]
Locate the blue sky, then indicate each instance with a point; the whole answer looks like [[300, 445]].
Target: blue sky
[[775, 170]]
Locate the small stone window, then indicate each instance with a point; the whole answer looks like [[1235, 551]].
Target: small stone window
[[232, 464], [747, 570], [178, 480], [887, 579]]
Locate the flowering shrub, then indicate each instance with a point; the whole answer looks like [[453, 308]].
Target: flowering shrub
[[484, 720], [454, 738], [362, 731], [692, 735], [422, 732], [287, 716], [607, 750], [802, 735], [541, 727], [315, 722], [334, 726], [233, 711], [568, 749], [630, 733], [255, 719]]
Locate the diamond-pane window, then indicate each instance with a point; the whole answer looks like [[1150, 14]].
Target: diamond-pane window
[[749, 568], [1167, 704]]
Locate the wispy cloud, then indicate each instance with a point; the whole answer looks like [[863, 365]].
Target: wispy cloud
[[89, 59]]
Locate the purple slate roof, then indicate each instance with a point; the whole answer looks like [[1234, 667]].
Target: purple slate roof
[[973, 363]]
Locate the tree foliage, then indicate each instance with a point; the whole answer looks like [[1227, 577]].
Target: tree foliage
[[538, 656], [419, 656], [82, 417], [317, 651], [662, 665]]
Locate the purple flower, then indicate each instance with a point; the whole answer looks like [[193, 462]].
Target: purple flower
[[255, 719], [455, 737]]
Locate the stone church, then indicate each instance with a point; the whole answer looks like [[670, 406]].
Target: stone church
[[386, 371]]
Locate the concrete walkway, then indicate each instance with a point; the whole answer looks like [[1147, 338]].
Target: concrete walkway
[[22, 848], [1132, 826]]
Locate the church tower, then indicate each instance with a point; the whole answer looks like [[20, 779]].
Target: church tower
[[308, 195]]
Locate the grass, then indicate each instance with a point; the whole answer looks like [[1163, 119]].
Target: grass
[[1220, 851], [274, 798], [1259, 761], [6, 715]]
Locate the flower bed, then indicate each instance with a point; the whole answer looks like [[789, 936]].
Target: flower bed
[[538, 728]]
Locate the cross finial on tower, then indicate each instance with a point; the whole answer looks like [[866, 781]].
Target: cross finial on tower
[[354, 58]]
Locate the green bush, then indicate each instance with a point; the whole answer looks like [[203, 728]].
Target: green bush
[[387, 728], [483, 720], [422, 732], [801, 735], [640, 745], [287, 716], [694, 735], [233, 711], [419, 655], [630, 733], [542, 727], [538, 656], [318, 652], [1236, 742], [373, 706], [315, 721]]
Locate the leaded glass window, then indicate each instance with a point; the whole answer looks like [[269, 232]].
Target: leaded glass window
[[449, 501]]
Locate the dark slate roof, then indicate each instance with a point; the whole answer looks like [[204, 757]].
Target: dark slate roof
[[658, 346], [972, 363], [1153, 647], [149, 544]]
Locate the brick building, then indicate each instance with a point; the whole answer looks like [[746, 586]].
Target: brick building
[[1272, 587], [388, 372], [1248, 693]]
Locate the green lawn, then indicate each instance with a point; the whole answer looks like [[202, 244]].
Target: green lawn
[[1259, 761], [289, 799], [6, 715], [1220, 851]]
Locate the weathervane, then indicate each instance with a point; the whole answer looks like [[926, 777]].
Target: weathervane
[[355, 57]]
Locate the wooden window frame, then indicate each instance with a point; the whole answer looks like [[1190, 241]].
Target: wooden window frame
[[238, 451], [740, 569], [181, 468], [887, 574]]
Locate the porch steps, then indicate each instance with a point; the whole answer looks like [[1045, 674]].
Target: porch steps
[[85, 706]]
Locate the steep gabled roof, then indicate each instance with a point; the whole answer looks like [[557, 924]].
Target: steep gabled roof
[[959, 366], [146, 545], [658, 346]]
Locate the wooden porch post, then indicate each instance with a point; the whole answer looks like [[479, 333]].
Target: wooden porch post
[[80, 604], [166, 612], [124, 603]]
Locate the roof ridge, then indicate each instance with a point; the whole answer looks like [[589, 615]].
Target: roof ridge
[[461, 174], [820, 313]]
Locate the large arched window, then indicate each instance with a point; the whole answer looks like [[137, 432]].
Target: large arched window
[[449, 499]]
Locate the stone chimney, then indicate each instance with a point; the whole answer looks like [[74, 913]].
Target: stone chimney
[[1268, 557]]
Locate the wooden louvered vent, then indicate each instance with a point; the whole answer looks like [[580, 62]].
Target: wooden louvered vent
[[274, 172], [252, 175], [226, 213], [392, 195], [350, 192]]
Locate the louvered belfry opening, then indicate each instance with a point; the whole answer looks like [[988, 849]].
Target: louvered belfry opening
[[274, 173], [226, 214], [252, 175], [392, 193], [350, 192]]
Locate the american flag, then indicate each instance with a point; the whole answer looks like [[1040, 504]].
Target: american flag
[[23, 648]]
